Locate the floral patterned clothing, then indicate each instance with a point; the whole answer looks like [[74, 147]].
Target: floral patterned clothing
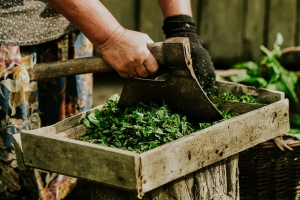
[[27, 104]]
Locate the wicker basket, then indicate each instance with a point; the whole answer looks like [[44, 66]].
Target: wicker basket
[[268, 172], [271, 170]]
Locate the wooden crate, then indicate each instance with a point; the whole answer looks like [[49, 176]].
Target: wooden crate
[[54, 148]]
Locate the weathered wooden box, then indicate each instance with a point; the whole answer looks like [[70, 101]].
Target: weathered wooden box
[[54, 148]]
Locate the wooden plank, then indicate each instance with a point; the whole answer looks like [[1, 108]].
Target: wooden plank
[[239, 89], [18, 150], [123, 11], [229, 72], [71, 121], [282, 18], [81, 159], [233, 187], [151, 20], [73, 133], [254, 29], [222, 29], [202, 148]]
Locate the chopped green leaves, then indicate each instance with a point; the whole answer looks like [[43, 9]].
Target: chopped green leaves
[[229, 96], [139, 128]]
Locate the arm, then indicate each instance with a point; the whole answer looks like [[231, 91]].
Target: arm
[[179, 22], [125, 50], [175, 7]]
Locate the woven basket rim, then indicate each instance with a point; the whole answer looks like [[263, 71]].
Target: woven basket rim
[[283, 143], [289, 50]]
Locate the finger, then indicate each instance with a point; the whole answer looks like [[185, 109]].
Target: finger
[[124, 74], [141, 71], [132, 73], [151, 64]]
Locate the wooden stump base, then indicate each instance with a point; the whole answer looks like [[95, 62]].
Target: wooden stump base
[[217, 181]]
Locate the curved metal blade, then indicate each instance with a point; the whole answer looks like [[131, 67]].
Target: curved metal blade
[[182, 94]]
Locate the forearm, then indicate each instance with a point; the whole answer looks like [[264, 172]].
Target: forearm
[[91, 18], [124, 50], [175, 7]]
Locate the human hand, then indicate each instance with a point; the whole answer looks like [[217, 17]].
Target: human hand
[[184, 26], [126, 51]]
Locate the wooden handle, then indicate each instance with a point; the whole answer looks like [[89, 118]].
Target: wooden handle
[[95, 64]]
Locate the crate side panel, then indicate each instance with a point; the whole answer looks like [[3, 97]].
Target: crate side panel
[[176, 159], [81, 159], [70, 122]]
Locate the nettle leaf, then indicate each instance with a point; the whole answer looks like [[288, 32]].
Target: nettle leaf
[[126, 125], [158, 130], [153, 144], [161, 113], [87, 123], [146, 132], [138, 116]]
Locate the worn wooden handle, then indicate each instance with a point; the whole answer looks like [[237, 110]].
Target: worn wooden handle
[[95, 64]]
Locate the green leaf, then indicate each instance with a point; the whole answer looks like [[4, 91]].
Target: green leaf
[[240, 77], [153, 144], [93, 118], [295, 120], [277, 50], [87, 123], [146, 132], [252, 67]]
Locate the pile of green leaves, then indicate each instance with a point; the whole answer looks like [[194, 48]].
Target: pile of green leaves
[[245, 98], [268, 72], [139, 128]]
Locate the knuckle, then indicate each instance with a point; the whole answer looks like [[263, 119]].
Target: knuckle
[[143, 51]]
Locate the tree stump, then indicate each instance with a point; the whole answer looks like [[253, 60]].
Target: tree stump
[[216, 181]]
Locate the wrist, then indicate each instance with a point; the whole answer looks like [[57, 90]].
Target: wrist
[[179, 26], [175, 7], [112, 38]]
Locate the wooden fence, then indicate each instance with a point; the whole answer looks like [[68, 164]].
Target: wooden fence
[[232, 30]]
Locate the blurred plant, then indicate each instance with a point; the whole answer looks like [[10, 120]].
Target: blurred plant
[[295, 126], [268, 72]]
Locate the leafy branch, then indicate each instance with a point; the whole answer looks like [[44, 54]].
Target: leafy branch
[[268, 72]]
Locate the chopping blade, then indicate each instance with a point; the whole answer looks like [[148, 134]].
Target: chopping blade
[[181, 93], [179, 87]]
